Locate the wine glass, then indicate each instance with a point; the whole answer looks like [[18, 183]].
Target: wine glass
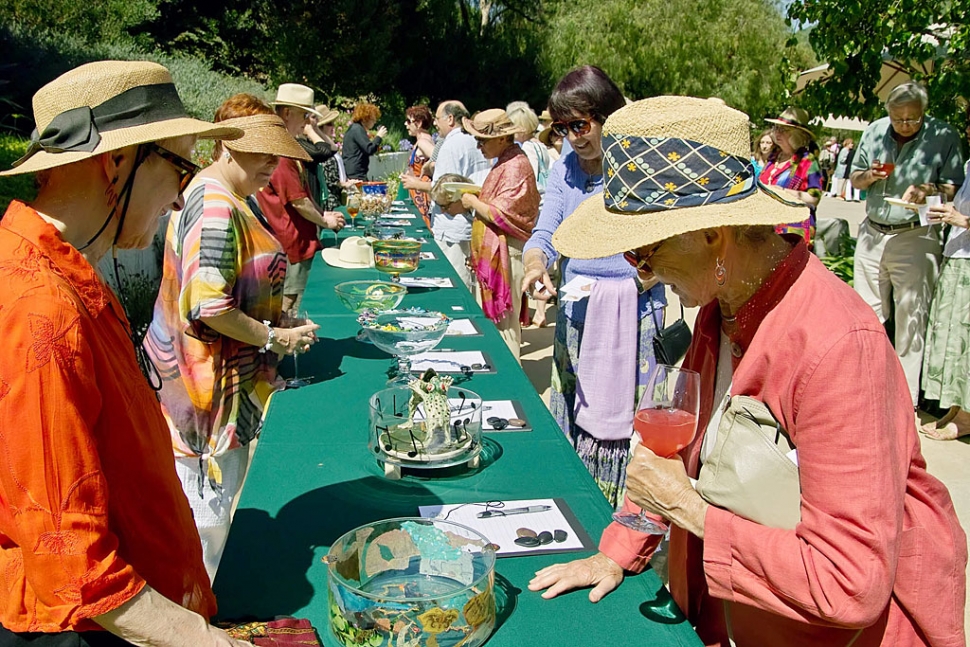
[[293, 319], [887, 168], [353, 208], [666, 420]]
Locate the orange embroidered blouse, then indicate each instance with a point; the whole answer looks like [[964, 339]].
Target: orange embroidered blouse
[[90, 506]]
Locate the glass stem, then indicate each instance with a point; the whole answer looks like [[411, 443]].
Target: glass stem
[[296, 366], [403, 366]]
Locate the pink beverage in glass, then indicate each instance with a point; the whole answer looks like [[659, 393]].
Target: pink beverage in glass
[[665, 431]]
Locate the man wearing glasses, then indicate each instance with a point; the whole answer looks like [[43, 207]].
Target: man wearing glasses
[[906, 156]]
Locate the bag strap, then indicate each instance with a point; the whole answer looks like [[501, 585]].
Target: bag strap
[[659, 325]]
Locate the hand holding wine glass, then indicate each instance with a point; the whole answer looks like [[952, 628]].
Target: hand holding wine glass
[[298, 325], [666, 421]]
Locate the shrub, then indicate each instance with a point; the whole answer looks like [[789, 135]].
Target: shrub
[[17, 187]]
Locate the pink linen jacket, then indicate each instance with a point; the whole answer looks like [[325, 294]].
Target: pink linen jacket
[[879, 545]]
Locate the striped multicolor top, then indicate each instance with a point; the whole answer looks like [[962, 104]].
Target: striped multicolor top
[[218, 257]]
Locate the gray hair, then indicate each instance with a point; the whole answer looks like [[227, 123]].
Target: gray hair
[[456, 109], [907, 93], [522, 116]]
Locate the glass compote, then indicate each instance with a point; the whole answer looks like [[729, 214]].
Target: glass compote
[[396, 257], [358, 296], [666, 421], [404, 333]]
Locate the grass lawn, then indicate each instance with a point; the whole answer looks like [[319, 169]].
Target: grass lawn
[[12, 148]]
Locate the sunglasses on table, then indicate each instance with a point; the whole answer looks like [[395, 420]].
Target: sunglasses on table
[[579, 127], [187, 169]]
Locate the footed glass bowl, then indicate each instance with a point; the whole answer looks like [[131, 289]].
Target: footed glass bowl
[[411, 582], [403, 333], [396, 257], [358, 296]]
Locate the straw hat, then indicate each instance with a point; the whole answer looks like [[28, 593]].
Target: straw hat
[[326, 114], [265, 134], [793, 117], [490, 124], [295, 95], [544, 136], [355, 252], [672, 165], [545, 117], [104, 106]]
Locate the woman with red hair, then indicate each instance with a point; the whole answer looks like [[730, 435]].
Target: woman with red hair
[[358, 147]]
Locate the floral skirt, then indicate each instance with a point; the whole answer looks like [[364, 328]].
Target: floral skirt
[[606, 460], [946, 360]]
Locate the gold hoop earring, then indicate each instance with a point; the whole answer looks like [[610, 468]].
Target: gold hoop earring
[[720, 272]]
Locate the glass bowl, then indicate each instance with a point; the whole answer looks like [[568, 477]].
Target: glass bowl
[[358, 296], [410, 429], [396, 257], [384, 232], [404, 332], [411, 581]]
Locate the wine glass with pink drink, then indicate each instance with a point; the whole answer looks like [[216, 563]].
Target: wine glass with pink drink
[[666, 421]]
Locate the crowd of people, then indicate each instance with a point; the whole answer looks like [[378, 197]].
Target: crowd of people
[[117, 487]]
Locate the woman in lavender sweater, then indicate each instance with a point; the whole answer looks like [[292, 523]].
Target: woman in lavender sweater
[[604, 343]]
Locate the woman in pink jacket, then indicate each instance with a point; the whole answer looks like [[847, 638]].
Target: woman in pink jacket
[[877, 556]]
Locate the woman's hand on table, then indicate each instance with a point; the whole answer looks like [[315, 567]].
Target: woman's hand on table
[[598, 571], [535, 271], [660, 485], [947, 214], [298, 339]]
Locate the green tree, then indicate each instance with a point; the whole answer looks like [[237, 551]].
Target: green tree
[[700, 48], [105, 20], [855, 37]]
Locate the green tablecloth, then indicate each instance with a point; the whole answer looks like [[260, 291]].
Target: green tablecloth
[[313, 479]]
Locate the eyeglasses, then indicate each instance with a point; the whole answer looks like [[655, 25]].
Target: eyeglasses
[[906, 122], [187, 170], [579, 127], [641, 263]]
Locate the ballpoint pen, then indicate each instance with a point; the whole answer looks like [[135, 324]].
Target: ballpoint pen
[[505, 513]]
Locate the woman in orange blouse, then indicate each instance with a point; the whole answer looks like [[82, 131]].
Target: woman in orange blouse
[[95, 532]]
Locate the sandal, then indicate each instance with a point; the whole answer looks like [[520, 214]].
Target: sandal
[[948, 427]]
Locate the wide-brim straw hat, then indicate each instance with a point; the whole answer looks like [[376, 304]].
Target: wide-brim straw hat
[[295, 95], [265, 134], [104, 106], [326, 114], [490, 124], [544, 135], [672, 165], [793, 117], [354, 253]]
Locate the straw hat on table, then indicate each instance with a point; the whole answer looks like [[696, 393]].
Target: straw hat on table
[[105, 106], [672, 165], [264, 134]]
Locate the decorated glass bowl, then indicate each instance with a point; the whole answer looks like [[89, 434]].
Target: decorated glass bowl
[[428, 424], [404, 332], [384, 232], [411, 582], [358, 296], [396, 257]]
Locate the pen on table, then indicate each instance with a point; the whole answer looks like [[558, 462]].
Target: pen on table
[[505, 513]]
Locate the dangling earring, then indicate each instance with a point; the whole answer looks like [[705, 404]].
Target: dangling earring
[[720, 272]]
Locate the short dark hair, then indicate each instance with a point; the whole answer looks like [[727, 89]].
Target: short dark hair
[[586, 90], [420, 115]]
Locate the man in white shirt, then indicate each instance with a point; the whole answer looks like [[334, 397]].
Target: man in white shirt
[[459, 154]]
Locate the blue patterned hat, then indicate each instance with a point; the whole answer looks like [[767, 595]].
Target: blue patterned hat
[[672, 165]]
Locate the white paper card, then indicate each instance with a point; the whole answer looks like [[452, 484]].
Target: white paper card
[[459, 327], [931, 201], [498, 409], [577, 289], [447, 361], [427, 282], [500, 530], [427, 256]]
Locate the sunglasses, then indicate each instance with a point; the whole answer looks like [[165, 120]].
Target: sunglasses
[[579, 127], [641, 263], [187, 169]]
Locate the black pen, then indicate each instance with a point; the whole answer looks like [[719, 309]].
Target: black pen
[[505, 513]]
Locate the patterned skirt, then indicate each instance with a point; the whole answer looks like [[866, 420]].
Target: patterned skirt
[[946, 361], [606, 460]]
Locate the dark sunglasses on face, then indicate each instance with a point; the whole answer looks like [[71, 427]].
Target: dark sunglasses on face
[[641, 263], [579, 127], [187, 170]]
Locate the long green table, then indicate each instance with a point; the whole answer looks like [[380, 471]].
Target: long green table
[[313, 479]]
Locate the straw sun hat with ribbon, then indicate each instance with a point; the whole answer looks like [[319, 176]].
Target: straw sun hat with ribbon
[[295, 95], [105, 106], [264, 134], [490, 124], [326, 114], [672, 165], [794, 118]]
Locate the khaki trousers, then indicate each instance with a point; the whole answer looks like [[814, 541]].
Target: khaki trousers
[[896, 274], [509, 327], [458, 255]]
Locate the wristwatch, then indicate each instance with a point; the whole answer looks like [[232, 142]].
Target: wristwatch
[[270, 338]]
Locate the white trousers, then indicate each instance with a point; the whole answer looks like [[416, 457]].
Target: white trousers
[[458, 254], [213, 509], [896, 274]]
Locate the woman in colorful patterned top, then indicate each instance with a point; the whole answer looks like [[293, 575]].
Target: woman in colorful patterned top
[[418, 123], [214, 337], [795, 167], [505, 212]]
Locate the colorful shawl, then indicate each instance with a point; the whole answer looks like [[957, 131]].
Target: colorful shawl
[[806, 176], [513, 206], [420, 199]]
